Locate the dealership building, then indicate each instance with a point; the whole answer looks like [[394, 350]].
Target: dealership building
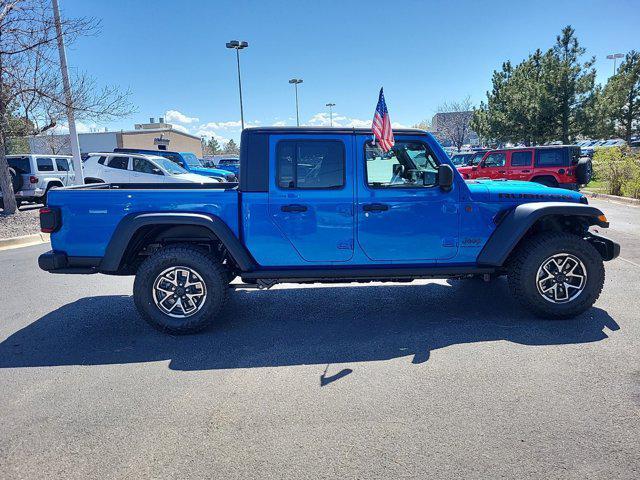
[[151, 136]]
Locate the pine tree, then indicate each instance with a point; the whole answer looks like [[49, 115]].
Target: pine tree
[[231, 148]]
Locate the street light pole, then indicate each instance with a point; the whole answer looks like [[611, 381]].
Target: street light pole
[[615, 57], [71, 120], [295, 82], [330, 105], [238, 45]]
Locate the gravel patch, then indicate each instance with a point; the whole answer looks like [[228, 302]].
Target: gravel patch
[[24, 222]]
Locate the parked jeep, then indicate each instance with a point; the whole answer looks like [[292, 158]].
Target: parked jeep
[[34, 176], [327, 205], [554, 166]]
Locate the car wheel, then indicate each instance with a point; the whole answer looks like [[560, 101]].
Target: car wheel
[[556, 275], [180, 289]]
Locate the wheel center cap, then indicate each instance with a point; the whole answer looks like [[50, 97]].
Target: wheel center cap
[[180, 291], [560, 279]]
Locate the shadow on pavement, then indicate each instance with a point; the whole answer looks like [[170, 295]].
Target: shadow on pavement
[[298, 326]]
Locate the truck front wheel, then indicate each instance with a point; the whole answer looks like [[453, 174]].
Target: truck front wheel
[[556, 274], [180, 289]]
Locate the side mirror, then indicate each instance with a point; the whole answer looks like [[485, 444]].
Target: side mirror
[[445, 177], [474, 168]]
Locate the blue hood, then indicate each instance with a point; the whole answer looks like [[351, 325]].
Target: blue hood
[[514, 191]]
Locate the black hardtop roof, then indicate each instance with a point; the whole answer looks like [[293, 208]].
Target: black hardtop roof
[[342, 130]]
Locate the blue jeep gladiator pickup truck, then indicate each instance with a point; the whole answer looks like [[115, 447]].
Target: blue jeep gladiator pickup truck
[[327, 205]]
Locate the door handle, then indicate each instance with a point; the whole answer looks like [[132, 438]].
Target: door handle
[[502, 171], [294, 208], [375, 207], [526, 171]]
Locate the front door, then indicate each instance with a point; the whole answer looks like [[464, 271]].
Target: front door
[[402, 213], [493, 166], [311, 194]]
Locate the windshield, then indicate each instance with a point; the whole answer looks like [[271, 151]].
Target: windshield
[[229, 161], [475, 159], [20, 164], [460, 159], [191, 160], [169, 166]]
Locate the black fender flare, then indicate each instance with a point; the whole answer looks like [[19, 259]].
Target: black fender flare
[[517, 222], [131, 223]]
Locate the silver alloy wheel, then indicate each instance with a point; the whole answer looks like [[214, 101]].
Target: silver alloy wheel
[[179, 292], [561, 278]]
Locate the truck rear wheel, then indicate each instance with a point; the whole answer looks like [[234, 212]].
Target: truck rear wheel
[[180, 289], [556, 275]]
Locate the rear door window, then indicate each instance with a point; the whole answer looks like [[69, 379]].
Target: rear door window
[[310, 164], [121, 163], [550, 157], [44, 164], [521, 159]]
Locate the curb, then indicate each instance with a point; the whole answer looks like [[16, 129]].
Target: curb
[[23, 241], [627, 200]]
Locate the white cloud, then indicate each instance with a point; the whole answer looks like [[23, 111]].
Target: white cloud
[[63, 128], [279, 123], [179, 117], [180, 128], [223, 125], [322, 119]]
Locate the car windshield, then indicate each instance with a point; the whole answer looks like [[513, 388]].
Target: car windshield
[[229, 161], [20, 164], [191, 160], [475, 159], [460, 159], [168, 165]]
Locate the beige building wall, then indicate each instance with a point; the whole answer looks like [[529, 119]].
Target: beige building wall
[[178, 141]]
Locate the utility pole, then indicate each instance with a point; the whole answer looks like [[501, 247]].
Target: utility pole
[[615, 57], [295, 82], [71, 120], [238, 45], [330, 105]]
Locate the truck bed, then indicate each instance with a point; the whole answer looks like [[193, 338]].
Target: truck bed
[[90, 213]]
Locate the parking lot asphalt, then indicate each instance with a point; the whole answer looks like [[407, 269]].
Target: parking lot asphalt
[[433, 379]]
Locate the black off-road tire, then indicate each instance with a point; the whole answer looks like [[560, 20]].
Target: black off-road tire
[[530, 255], [212, 273], [584, 171]]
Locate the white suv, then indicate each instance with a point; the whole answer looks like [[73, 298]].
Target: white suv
[[137, 168], [34, 175]]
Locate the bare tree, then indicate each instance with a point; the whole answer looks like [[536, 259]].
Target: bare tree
[[30, 82], [452, 121]]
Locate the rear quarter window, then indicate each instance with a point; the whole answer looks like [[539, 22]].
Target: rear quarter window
[[552, 157]]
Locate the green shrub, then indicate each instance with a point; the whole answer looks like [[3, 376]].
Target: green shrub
[[619, 169]]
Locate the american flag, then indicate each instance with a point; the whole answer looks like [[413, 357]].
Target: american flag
[[382, 125]]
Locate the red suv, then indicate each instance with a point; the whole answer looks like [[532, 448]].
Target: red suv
[[554, 166]]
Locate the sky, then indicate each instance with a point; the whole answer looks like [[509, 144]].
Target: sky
[[171, 55]]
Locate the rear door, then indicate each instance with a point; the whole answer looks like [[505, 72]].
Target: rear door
[[520, 164], [311, 194], [493, 166]]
